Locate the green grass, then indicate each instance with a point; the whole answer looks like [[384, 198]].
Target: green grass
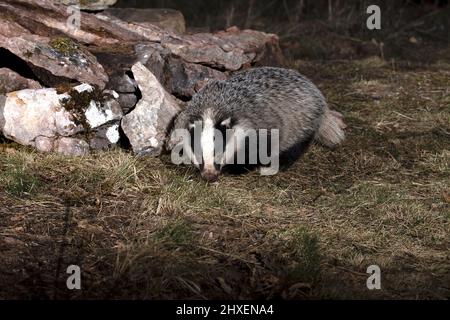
[[176, 233], [16, 177], [307, 256]]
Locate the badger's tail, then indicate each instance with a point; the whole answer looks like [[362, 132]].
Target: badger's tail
[[331, 130]]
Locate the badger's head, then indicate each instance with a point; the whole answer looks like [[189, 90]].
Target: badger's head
[[201, 139]]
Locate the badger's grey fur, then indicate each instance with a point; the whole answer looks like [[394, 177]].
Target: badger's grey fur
[[265, 98]]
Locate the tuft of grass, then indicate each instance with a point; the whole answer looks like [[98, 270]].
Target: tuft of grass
[[16, 177], [176, 233], [119, 172], [307, 256]]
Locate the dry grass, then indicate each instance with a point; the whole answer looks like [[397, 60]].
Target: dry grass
[[143, 228]]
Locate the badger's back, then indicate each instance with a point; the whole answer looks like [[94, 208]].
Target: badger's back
[[267, 98]]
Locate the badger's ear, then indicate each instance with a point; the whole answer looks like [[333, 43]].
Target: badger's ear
[[191, 125], [226, 123], [180, 120]]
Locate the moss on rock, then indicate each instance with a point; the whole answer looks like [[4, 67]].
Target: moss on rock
[[65, 46]]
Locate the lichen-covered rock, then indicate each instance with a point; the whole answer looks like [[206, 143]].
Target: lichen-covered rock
[[56, 60], [43, 117], [105, 137], [146, 127], [90, 107]]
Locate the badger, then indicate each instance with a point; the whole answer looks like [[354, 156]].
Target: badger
[[282, 104]]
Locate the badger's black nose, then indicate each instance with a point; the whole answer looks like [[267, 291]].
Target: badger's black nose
[[210, 176]]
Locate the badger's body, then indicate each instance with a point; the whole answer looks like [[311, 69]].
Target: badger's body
[[260, 98]]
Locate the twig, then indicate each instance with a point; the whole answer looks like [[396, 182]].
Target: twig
[[402, 115]]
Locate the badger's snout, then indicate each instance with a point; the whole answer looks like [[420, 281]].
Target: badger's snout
[[210, 175]]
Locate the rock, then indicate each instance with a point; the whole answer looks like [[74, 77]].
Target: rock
[[263, 47], [199, 49], [60, 122], [12, 81], [71, 146], [122, 83], [117, 64], [155, 58], [197, 76], [45, 144], [178, 77], [40, 33], [28, 114], [100, 110], [90, 107], [231, 50], [55, 60], [92, 5], [146, 127], [2, 106], [112, 133], [105, 137], [167, 19], [127, 101], [47, 18], [148, 32], [62, 145], [125, 86]]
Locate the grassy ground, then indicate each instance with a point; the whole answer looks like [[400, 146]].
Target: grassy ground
[[144, 228]]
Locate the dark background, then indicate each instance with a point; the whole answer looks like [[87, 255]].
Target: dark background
[[323, 27]]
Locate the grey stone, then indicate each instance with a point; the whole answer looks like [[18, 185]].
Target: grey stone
[[105, 137], [146, 127], [122, 83], [12, 81], [181, 78], [63, 145], [127, 101]]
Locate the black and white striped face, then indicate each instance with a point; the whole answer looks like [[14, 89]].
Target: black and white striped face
[[210, 144], [208, 139]]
